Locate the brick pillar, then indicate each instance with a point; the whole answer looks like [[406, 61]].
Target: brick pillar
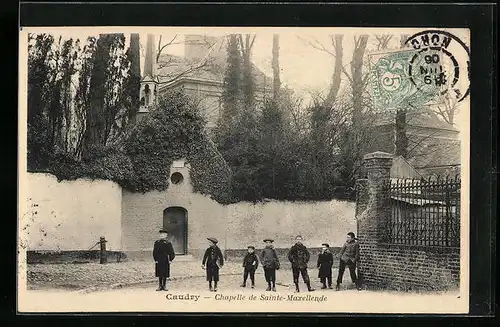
[[373, 207]]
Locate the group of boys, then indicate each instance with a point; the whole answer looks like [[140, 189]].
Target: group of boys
[[298, 256]]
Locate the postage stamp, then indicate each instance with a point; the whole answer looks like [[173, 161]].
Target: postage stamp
[[435, 68], [174, 169]]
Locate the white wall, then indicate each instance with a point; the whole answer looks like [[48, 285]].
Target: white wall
[[70, 215], [317, 222]]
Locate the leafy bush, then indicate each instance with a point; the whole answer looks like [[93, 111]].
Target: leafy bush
[[173, 131]]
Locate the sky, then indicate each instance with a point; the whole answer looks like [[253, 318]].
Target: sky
[[303, 68]]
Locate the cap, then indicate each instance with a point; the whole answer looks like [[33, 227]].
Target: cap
[[213, 239], [162, 231], [268, 240], [251, 247], [325, 244]]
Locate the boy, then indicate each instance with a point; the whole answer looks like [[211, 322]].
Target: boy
[[163, 254], [270, 263], [325, 263], [299, 257], [214, 260], [250, 264], [349, 256]]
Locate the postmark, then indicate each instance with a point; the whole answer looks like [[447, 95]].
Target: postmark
[[441, 61], [435, 68]]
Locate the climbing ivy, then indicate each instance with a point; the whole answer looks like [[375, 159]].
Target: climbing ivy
[[176, 130]]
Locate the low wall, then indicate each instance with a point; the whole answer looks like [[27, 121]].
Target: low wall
[[69, 215], [72, 215], [317, 222], [410, 267]]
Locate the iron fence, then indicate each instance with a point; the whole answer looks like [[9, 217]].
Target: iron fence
[[425, 212]]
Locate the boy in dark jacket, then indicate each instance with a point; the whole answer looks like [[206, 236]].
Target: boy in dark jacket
[[270, 263], [163, 254], [299, 257], [214, 260], [250, 264], [349, 256], [325, 263]]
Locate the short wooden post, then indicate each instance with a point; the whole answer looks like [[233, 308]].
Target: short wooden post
[[104, 255]]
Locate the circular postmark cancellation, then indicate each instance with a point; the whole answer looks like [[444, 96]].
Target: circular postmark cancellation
[[436, 66], [441, 61]]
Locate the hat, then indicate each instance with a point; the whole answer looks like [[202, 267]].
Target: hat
[[251, 247], [268, 240], [162, 231], [326, 245], [213, 239]]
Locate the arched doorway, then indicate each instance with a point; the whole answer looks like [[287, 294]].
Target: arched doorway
[[175, 222]]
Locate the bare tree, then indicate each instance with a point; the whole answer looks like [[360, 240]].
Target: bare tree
[[357, 78], [383, 41], [248, 83], [337, 53], [188, 67], [276, 67]]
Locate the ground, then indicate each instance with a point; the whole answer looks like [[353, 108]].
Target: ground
[[132, 287], [94, 275]]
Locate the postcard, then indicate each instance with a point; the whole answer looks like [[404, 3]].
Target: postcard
[[264, 170]]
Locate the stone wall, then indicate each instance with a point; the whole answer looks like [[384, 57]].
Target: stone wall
[[390, 265], [69, 215]]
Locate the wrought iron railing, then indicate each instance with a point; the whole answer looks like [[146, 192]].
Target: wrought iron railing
[[425, 212]]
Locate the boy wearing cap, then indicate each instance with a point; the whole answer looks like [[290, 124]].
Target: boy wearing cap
[[299, 257], [213, 260], [270, 263], [325, 263], [163, 254], [250, 264], [349, 256]]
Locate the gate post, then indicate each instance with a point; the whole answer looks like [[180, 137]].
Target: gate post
[[103, 253], [373, 209]]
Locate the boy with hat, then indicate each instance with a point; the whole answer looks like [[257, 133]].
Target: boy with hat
[[325, 263], [163, 254], [349, 256], [270, 263], [214, 260], [299, 257], [250, 264]]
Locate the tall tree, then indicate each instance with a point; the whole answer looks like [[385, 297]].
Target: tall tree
[[231, 93], [276, 68], [134, 77], [105, 87], [39, 90], [248, 83], [337, 70], [401, 142], [357, 78]]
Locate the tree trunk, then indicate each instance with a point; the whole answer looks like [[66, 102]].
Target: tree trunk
[[337, 71], [276, 68], [357, 78], [401, 142], [401, 137]]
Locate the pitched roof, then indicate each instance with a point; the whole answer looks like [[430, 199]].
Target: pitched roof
[[436, 152], [422, 118], [176, 67]]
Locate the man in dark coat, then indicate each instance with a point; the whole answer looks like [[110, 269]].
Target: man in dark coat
[[250, 264], [325, 263], [163, 254], [213, 260], [270, 263], [299, 257], [349, 256]]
